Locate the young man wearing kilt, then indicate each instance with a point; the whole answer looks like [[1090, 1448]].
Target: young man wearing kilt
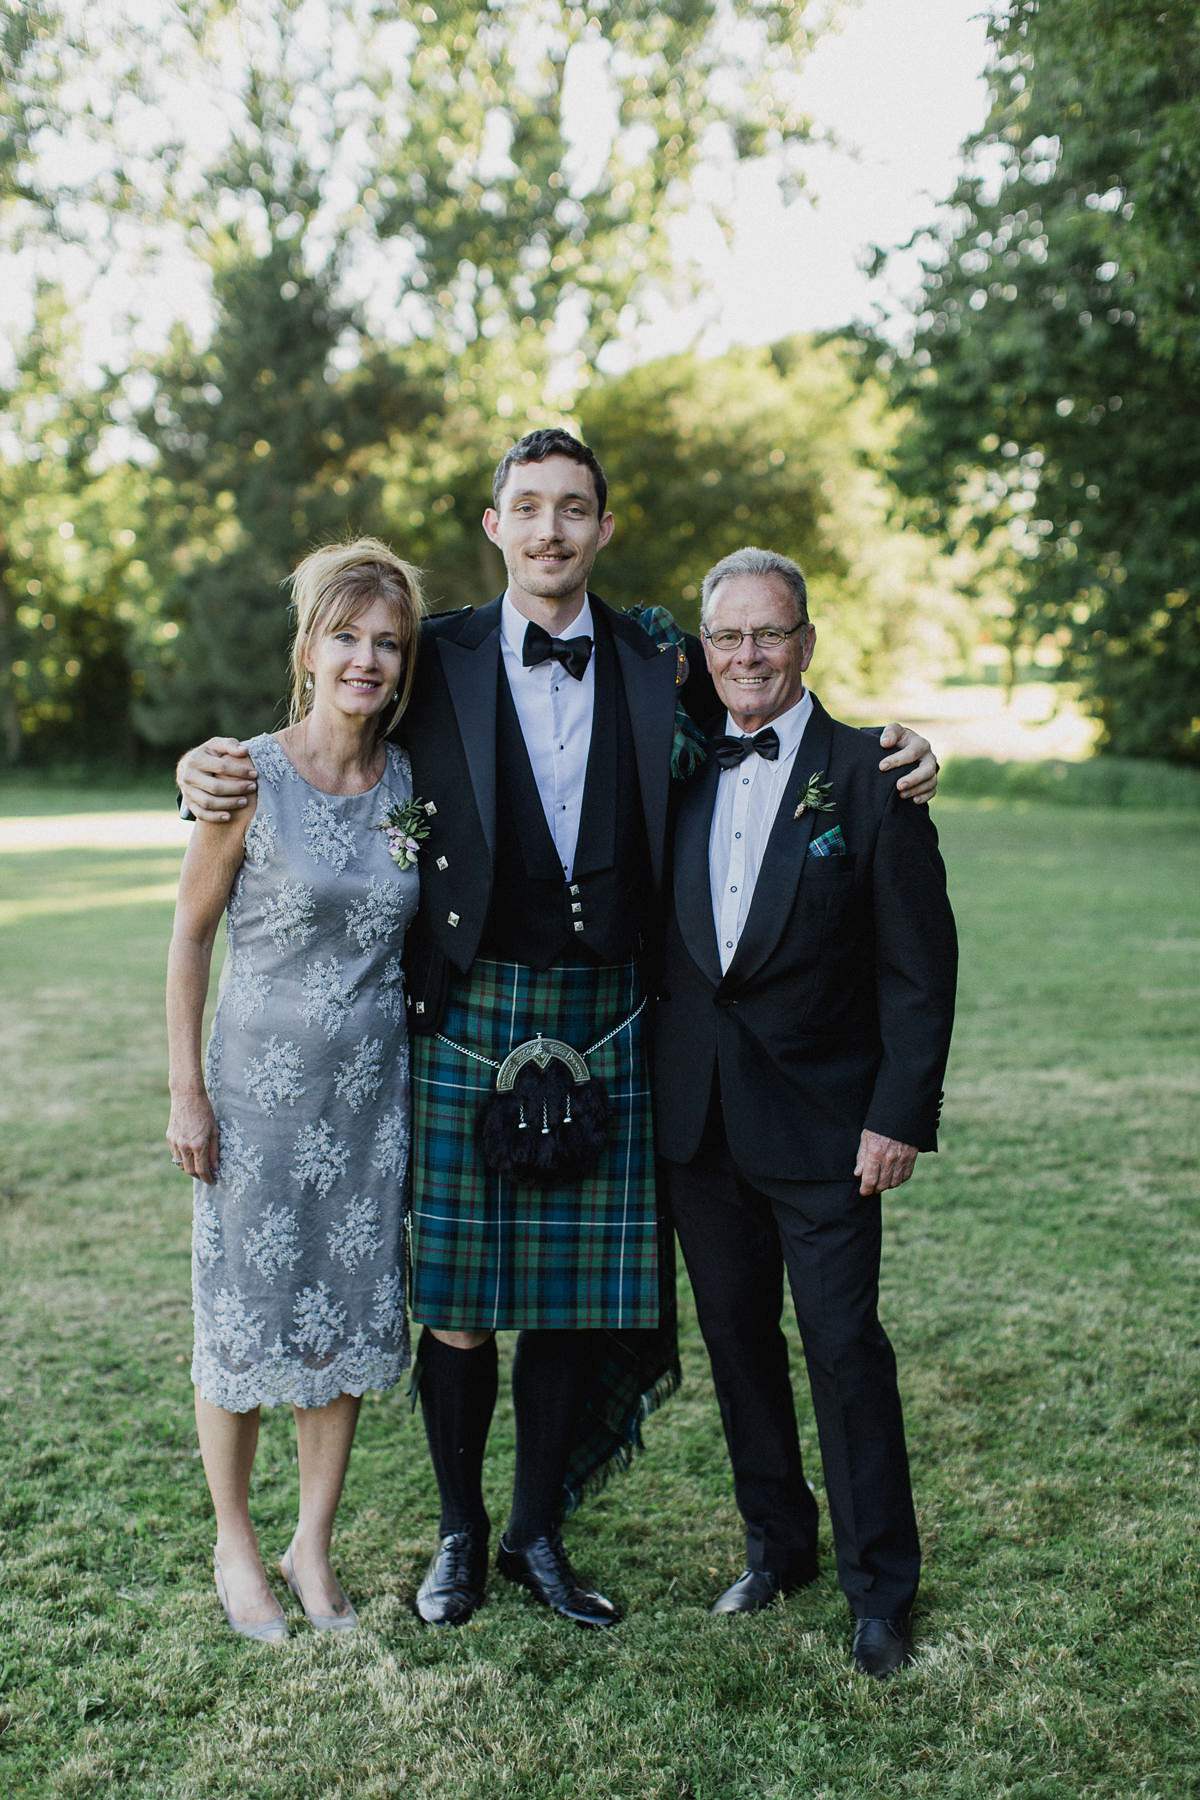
[[542, 734], [542, 731]]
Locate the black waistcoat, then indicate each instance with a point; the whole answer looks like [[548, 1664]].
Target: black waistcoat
[[536, 915]]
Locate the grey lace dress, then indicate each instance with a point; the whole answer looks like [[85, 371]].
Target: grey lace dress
[[297, 1250]]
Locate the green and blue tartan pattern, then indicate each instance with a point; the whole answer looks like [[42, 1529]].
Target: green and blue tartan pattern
[[488, 1253], [830, 843]]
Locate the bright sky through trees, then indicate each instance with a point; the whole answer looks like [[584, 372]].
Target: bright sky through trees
[[899, 86], [307, 265]]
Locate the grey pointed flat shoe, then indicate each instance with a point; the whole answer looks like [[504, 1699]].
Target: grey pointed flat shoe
[[319, 1621], [263, 1631]]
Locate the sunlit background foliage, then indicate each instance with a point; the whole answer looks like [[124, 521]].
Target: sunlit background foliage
[[1051, 400], [369, 245]]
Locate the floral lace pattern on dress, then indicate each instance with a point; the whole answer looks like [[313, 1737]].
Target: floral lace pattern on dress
[[297, 1249]]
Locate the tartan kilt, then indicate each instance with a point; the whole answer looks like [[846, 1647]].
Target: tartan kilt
[[489, 1253], [593, 1254]]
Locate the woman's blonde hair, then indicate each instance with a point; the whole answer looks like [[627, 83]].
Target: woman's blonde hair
[[331, 588]]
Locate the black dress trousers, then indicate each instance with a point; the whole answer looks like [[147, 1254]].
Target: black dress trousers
[[738, 1235]]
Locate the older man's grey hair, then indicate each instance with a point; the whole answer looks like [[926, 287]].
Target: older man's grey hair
[[750, 561]]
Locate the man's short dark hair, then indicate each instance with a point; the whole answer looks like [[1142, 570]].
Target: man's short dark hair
[[536, 446]]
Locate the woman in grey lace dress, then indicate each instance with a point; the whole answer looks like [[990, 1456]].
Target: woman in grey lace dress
[[296, 1124]]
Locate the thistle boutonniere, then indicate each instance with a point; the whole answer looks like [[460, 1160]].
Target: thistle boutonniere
[[817, 796], [406, 826]]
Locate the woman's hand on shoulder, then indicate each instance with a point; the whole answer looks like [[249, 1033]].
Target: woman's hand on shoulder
[[216, 779]]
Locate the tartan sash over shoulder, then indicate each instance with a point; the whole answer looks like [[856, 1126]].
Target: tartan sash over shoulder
[[490, 1254]]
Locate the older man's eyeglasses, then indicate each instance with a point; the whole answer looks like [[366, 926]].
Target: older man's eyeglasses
[[767, 637]]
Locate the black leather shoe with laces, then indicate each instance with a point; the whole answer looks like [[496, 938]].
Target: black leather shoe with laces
[[542, 1567], [454, 1581]]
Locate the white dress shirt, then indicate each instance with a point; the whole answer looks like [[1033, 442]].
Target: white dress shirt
[[555, 713], [748, 798]]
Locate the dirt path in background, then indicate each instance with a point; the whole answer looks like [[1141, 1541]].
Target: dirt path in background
[[95, 831]]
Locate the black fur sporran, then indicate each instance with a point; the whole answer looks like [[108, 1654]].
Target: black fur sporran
[[546, 1127]]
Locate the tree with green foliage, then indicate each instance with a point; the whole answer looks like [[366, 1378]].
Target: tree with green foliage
[[61, 645], [72, 585], [1053, 385], [453, 208], [260, 455], [780, 448]]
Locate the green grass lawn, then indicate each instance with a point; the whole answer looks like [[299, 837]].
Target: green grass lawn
[[1041, 1282]]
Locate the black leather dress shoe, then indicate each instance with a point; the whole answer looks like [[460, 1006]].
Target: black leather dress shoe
[[542, 1567], [756, 1588], [454, 1581], [881, 1646]]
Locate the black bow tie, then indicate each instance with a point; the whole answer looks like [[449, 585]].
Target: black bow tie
[[730, 751], [540, 647]]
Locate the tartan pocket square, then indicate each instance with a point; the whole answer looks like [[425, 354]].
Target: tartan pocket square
[[830, 843]]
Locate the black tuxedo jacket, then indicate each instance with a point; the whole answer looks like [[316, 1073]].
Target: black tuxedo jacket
[[835, 1012], [449, 731]]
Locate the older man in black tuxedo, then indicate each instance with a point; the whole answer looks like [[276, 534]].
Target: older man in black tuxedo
[[801, 1040]]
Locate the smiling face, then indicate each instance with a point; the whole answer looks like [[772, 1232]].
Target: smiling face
[[548, 528], [357, 665], [755, 684]]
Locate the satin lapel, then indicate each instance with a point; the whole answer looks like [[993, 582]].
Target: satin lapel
[[650, 694], [783, 859], [471, 664], [693, 889], [598, 814]]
